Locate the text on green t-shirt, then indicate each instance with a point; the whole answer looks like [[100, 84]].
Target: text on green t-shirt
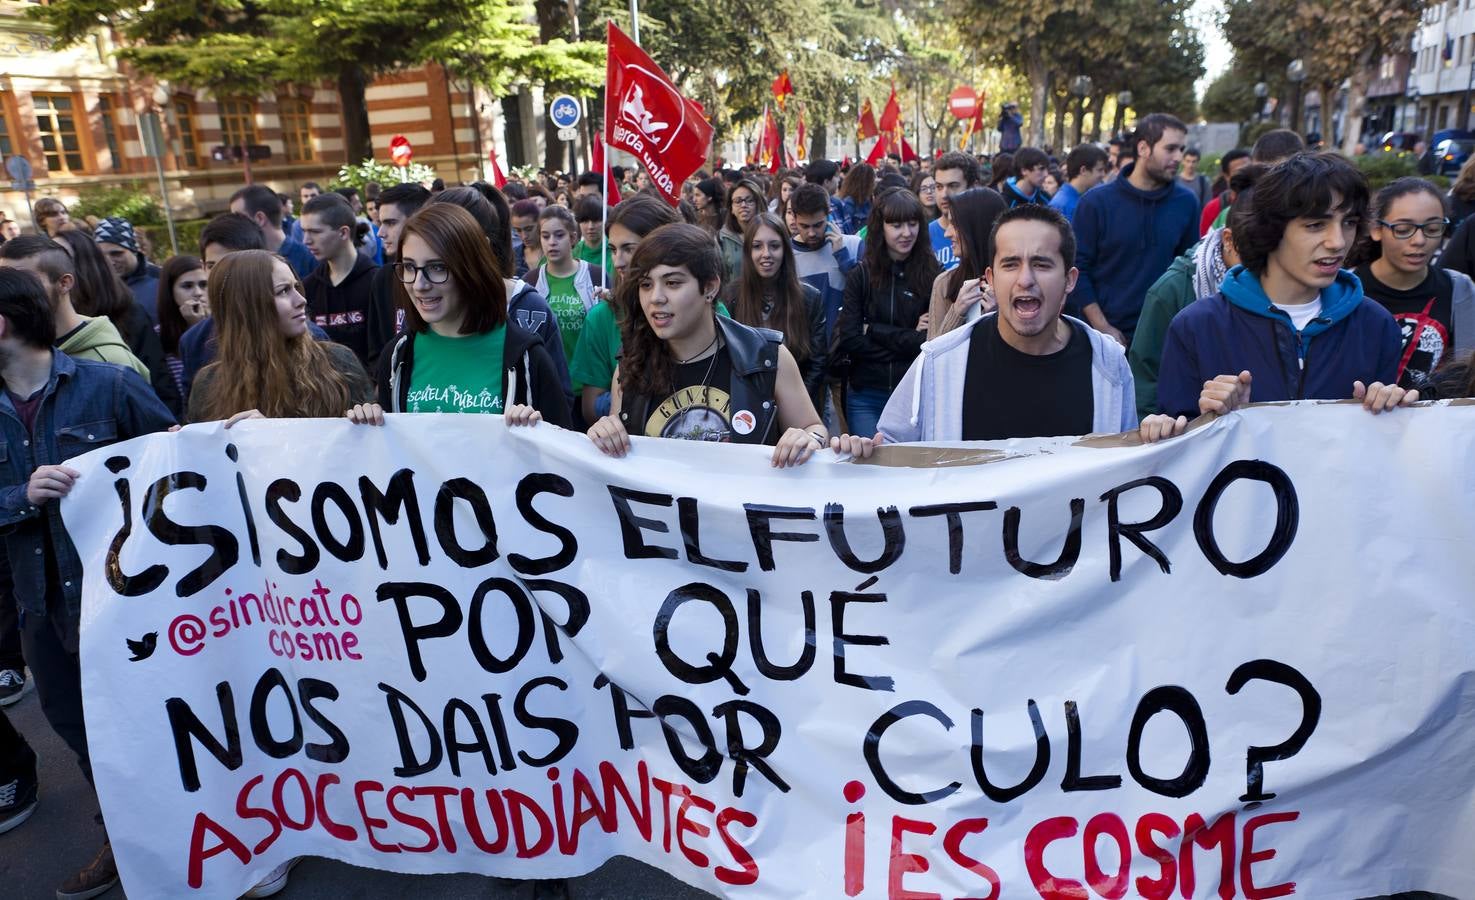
[[568, 308], [461, 374]]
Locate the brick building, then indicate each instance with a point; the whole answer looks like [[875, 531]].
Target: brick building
[[74, 113]]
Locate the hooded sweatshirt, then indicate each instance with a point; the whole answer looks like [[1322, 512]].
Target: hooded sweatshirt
[[98, 340], [1238, 329], [927, 405], [1125, 239], [1195, 274], [824, 270]]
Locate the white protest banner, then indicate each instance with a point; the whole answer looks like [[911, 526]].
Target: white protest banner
[[1236, 663]]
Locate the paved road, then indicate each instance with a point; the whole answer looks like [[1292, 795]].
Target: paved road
[[62, 837]]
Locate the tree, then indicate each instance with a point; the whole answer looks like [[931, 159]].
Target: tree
[[1231, 96], [1020, 33], [247, 46], [1338, 40]]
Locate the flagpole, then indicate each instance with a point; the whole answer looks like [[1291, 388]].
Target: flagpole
[[604, 210], [635, 21]]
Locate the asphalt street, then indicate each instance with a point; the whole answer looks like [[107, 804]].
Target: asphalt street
[[63, 836]]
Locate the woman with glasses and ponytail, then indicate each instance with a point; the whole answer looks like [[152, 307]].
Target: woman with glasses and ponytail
[[1434, 307], [460, 352]]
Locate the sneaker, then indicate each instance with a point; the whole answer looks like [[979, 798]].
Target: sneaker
[[17, 800], [12, 685], [275, 881], [99, 876]]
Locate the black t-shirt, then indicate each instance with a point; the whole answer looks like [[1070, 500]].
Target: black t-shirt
[[700, 406], [1425, 317], [1009, 394]]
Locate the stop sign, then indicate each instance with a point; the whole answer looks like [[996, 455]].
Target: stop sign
[[399, 150], [963, 102]]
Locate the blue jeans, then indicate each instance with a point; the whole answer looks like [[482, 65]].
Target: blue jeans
[[863, 408]]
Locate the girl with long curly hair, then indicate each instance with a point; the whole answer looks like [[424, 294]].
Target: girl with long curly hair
[[267, 365], [690, 374]]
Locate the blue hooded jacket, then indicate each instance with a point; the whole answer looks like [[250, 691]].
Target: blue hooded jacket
[[1125, 239], [1238, 329]]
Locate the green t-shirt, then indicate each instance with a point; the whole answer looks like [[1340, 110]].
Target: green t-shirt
[[568, 307], [596, 256], [593, 364], [457, 374]]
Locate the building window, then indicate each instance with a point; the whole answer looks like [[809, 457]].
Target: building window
[[184, 121], [7, 142], [238, 123], [112, 128], [61, 144], [296, 129]]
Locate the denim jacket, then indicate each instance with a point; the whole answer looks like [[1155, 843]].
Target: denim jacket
[[85, 405]]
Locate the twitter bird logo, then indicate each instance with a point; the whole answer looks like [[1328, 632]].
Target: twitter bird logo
[[142, 649]]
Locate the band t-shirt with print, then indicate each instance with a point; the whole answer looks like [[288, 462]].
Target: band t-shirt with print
[[461, 374], [700, 406], [1425, 317]]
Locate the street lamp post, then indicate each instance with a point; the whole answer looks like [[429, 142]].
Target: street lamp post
[[1262, 90], [1296, 74], [1123, 100], [1080, 88]]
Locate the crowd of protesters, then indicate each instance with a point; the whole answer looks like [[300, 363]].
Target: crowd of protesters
[[833, 308]]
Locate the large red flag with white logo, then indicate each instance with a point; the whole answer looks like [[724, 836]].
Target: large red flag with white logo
[[646, 116]]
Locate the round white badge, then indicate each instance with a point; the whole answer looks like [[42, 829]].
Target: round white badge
[[743, 422]]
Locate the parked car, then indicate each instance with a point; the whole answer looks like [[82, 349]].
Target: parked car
[[1452, 148], [1399, 142]]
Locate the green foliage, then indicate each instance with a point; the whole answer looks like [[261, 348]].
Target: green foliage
[[1230, 97], [187, 231], [383, 174], [132, 202], [1381, 168]]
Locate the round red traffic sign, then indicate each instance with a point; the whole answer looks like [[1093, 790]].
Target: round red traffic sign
[[400, 150], [963, 102]]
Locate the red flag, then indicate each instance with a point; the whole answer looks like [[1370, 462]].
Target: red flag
[[890, 121], [907, 153], [866, 126], [645, 115], [877, 152], [770, 153], [782, 88], [498, 178], [611, 188], [800, 150]]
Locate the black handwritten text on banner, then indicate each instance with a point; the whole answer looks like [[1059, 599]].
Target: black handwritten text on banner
[[1191, 670]]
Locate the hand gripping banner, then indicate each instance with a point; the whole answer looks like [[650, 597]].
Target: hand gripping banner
[[1233, 664]]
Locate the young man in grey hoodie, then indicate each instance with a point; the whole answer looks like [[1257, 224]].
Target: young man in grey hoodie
[[1025, 370]]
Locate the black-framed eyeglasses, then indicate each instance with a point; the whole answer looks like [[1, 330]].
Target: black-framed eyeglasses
[[1434, 228], [435, 272], [745, 200]]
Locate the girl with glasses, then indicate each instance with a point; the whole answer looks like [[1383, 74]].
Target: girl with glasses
[[1434, 306], [925, 187], [267, 365], [743, 203], [460, 352]]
